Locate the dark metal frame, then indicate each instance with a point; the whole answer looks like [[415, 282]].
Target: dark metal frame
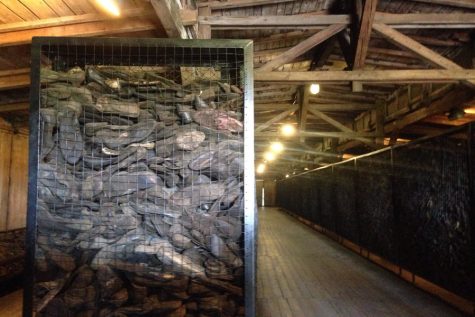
[[250, 221]]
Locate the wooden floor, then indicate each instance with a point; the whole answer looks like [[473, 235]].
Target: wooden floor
[[11, 304], [303, 273]]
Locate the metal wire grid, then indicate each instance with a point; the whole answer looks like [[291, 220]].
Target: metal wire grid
[[140, 181], [412, 204]]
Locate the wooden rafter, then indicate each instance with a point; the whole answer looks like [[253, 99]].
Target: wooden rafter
[[276, 118], [14, 107], [68, 20], [453, 98], [368, 76], [97, 28], [426, 20], [321, 134], [231, 4], [168, 11], [12, 79], [303, 47], [454, 3], [420, 50], [204, 30], [364, 33], [411, 20], [274, 21]]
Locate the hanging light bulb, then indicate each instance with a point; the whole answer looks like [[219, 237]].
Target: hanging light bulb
[[110, 6], [287, 175], [276, 147], [261, 168], [288, 129], [269, 156], [314, 89]]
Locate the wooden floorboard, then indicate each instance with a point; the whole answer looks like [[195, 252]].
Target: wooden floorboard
[[304, 273]]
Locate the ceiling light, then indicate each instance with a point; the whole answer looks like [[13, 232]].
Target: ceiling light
[[305, 169], [269, 156], [288, 130], [470, 110], [261, 168], [276, 147], [287, 175], [110, 6], [314, 89]]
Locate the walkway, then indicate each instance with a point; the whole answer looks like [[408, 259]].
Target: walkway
[[302, 273]]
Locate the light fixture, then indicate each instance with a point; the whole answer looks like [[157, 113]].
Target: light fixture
[[110, 6], [287, 129], [276, 147], [314, 89], [456, 113], [305, 169], [261, 168], [287, 175], [269, 156], [470, 110]]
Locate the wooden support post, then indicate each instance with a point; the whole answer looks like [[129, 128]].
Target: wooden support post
[[204, 30], [303, 110], [379, 124]]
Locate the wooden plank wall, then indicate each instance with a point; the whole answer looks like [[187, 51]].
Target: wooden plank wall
[[5, 147], [269, 192], [13, 177], [259, 185], [18, 193]]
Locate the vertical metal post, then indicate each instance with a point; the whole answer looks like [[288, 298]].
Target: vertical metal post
[[471, 179], [29, 271], [250, 214]]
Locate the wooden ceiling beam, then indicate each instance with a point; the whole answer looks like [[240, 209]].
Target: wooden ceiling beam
[[231, 4], [368, 76], [364, 33], [426, 20], [20, 106], [453, 98], [97, 28], [417, 48], [168, 11], [12, 79], [320, 134], [69, 20], [470, 4], [303, 47], [276, 118], [273, 21]]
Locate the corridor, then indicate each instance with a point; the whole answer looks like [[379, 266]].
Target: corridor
[[303, 273]]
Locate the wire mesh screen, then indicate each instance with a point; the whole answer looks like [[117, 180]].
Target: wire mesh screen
[[374, 204], [412, 204], [346, 217], [433, 201], [140, 179]]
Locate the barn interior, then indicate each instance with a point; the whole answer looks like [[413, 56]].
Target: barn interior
[[340, 87]]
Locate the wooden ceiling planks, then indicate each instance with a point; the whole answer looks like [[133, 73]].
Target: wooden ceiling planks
[[59, 7], [7, 15], [40, 8], [19, 9]]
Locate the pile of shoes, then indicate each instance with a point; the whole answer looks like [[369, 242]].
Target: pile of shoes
[[140, 195]]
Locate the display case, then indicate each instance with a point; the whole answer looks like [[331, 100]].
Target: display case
[[141, 178]]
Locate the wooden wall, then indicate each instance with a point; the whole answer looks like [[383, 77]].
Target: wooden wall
[[269, 192], [13, 177]]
